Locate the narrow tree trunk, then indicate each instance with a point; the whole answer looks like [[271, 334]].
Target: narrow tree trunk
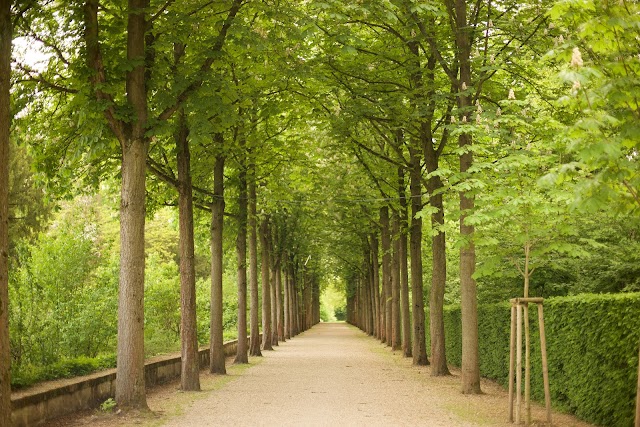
[[279, 300], [287, 304], [241, 255], [396, 340], [6, 36], [190, 361], [404, 268], [386, 274], [372, 296], [419, 349], [130, 382], [267, 333], [254, 349], [375, 268], [217, 359], [274, 310]]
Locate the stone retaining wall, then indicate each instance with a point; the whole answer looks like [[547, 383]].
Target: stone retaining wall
[[53, 399]]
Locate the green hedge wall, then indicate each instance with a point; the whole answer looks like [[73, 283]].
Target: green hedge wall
[[592, 346]]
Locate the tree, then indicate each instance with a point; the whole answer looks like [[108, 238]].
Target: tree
[[267, 331], [6, 37], [217, 361], [602, 141]]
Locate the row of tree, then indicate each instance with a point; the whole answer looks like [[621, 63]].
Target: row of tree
[[333, 129], [206, 103]]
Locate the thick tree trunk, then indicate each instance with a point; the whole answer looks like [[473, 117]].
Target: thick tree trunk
[[6, 36], [130, 382], [216, 350], [267, 333], [419, 349], [375, 268], [404, 268], [190, 363], [468, 291], [386, 274], [396, 340], [254, 347], [241, 255]]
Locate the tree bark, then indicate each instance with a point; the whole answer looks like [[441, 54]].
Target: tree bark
[[404, 268], [6, 36], [439, 267], [279, 300], [241, 255], [287, 303], [216, 350], [396, 340], [130, 382], [419, 349], [190, 361], [468, 291], [267, 333], [254, 346], [386, 274], [375, 267]]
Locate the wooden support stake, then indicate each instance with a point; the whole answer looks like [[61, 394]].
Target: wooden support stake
[[518, 363], [638, 394], [527, 366], [545, 365], [512, 360]]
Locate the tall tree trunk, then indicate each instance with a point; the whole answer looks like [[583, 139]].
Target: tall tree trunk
[[274, 310], [404, 268], [130, 382], [190, 361], [217, 359], [386, 274], [267, 333], [254, 348], [279, 299], [372, 297], [468, 291], [241, 255], [439, 267], [419, 349], [396, 340], [6, 36], [287, 303], [375, 267]]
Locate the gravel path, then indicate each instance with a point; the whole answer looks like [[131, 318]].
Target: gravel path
[[333, 375]]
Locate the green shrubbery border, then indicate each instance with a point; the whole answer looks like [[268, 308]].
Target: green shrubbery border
[[592, 345], [67, 368]]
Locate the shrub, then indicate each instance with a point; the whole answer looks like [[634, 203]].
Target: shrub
[[592, 346], [27, 375]]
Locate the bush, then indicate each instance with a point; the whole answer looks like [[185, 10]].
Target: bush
[[28, 375], [592, 346]]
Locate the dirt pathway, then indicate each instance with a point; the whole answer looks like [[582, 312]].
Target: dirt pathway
[[333, 375], [330, 375]]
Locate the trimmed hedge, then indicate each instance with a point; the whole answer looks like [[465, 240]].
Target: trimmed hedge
[[592, 346]]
